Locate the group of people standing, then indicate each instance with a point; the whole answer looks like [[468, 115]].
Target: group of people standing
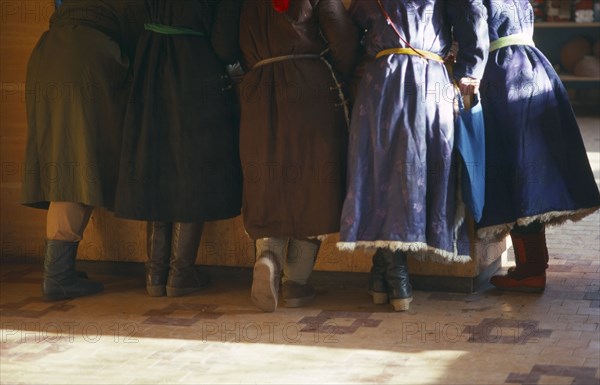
[[303, 149]]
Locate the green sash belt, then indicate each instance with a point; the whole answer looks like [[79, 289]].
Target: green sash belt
[[170, 30], [516, 39]]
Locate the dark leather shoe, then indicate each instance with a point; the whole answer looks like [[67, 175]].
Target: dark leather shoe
[[297, 295]]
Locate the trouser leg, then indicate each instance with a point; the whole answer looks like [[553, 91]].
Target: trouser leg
[[300, 260], [296, 271], [66, 221]]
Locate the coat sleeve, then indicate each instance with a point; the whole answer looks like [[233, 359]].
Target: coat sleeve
[[226, 30], [341, 34], [470, 29], [360, 10]]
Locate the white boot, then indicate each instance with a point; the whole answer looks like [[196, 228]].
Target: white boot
[[270, 256]]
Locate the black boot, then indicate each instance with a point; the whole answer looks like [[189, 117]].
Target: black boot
[[184, 276], [377, 285], [396, 276], [61, 281], [159, 252]]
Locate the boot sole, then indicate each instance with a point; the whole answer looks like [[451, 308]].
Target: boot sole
[[181, 291], [65, 294], [297, 302], [401, 304], [535, 284], [379, 298], [523, 289], [264, 293], [56, 297], [156, 290]]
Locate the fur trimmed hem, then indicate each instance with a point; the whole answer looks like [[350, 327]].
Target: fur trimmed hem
[[419, 250], [320, 237], [551, 218]]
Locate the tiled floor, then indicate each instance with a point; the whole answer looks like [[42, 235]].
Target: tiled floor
[[218, 336]]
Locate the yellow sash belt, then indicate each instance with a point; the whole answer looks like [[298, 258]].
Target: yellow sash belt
[[516, 39], [410, 51]]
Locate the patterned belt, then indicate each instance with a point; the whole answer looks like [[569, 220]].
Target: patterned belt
[[321, 57], [516, 39], [277, 59], [171, 30], [410, 51]]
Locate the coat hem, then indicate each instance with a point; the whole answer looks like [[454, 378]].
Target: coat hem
[[551, 218], [178, 219], [321, 236], [420, 250], [45, 204]]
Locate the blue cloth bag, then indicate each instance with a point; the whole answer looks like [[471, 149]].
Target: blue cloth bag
[[469, 139]]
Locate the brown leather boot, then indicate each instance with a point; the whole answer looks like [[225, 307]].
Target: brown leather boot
[[531, 258], [158, 248], [184, 276]]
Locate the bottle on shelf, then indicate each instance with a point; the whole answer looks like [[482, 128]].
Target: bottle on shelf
[[596, 7], [583, 11], [555, 10], [539, 10]]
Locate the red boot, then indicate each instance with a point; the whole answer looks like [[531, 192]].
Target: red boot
[[531, 257]]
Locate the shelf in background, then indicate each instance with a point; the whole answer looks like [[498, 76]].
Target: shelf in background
[[565, 24], [573, 78]]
